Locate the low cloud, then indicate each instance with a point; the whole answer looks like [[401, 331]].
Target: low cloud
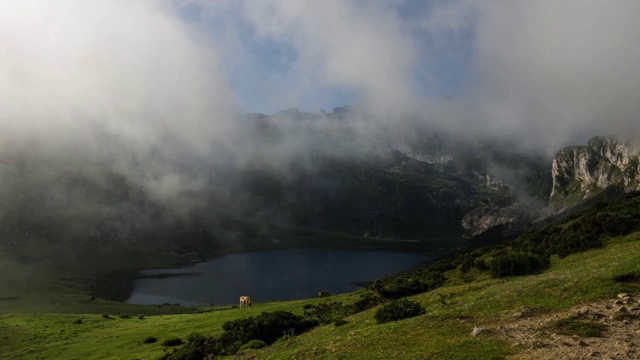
[[126, 85], [147, 92], [544, 73], [549, 73]]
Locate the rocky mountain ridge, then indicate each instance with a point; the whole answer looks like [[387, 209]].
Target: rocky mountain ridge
[[305, 173], [582, 172]]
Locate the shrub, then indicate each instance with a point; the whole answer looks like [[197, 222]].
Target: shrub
[[443, 265], [172, 342], [398, 310], [124, 316], [327, 313], [340, 322], [576, 243], [481, 265], [466, 262], [150, 340], [267, 327], [140, 316], [410, 285], [196, 337], [78, 321], [367, 301], [106, 316], [253, 344], [198, 347], [517, 263]]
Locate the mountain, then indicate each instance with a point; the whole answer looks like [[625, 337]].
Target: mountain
[[296, 177], [584, 172]]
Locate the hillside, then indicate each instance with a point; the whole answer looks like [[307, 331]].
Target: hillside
[[295, 174], [583, 172], [554, 311]]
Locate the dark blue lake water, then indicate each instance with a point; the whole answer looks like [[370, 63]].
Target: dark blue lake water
[[268, 275]]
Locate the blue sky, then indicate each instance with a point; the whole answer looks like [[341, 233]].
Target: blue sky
[[267, 67]]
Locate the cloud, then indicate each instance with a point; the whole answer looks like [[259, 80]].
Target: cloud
[[357, 47], [145, 89], [552, 72], [116, 82], [543, 73]]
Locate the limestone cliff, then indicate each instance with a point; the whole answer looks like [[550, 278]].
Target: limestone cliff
[[582, 172]]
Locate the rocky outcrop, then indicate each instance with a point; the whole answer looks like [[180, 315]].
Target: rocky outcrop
[[539, 337], [581, 172]]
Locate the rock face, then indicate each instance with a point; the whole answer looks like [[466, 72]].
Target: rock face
[[581, 172]]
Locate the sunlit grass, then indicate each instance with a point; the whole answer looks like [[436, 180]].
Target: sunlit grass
[[444, 332]]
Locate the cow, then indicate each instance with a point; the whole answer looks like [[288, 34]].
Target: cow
[[245, 301], [322, 293]]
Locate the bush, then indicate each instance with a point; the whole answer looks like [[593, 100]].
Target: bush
[[481, 265], [340, 322], [577, 243], [327, 313], [198, 347], [196, 337], [253, 344], [398, 310], [106, 316], [172, 342], [124, 316], [150, 340], [367, 301], [410, 285], [267, 327], [467, 261], [78, 321], [517, 263], [252, 331]]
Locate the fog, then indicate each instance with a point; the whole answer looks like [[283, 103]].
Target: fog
[[155, 94]]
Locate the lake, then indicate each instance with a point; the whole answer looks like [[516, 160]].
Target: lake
[[268, 275]]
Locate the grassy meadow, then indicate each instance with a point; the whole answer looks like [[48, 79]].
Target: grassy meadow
[[444, 332]]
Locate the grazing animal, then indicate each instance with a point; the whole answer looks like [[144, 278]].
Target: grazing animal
[[245, 301], [323, 294]]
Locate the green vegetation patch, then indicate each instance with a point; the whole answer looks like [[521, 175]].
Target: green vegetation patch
[[173, 342], [398, 310], [573, 326], [517, 263], [253, 344]]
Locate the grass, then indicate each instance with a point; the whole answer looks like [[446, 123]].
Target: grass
[[55, 336], [573, 326], [444, 332]]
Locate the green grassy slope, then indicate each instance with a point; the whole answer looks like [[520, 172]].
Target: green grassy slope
[[444, 332], [464, 299], [57, 336]]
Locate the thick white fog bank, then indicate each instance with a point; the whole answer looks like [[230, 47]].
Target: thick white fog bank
[[124, 84], [150, 91]]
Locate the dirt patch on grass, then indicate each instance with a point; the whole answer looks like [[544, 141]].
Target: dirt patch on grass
[[607, 329]]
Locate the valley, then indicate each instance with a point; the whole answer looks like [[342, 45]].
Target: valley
[[336, 179], [467, 299]]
